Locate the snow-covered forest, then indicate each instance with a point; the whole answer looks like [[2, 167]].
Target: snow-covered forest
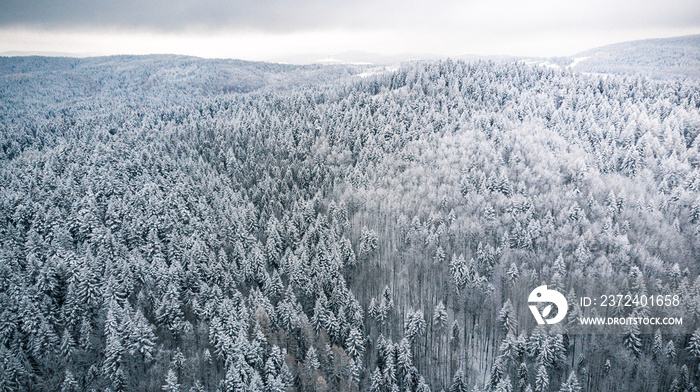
[[662, 58], [180, 224]]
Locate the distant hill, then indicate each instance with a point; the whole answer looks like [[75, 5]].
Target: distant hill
[[663, 58], [160, 73], [150, 81]]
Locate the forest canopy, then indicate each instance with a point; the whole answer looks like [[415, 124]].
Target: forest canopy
[[182, 224]]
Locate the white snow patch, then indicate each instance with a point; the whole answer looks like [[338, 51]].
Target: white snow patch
[[576, 61], [368, 74], [540, 63], [549, 65], [376, 71]]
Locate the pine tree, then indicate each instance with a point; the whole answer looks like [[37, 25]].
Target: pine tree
[[458, 269], [686, 379], [504, 385], [403, 357], [389, 371], [67, 345], [354, 372], [376, 381], [142, 339], [354, 343], [522, 376], [275, 384], [86, 334], [285, 374], [234, 380], [312, 359], [119, 381], [387, 299], [320, 317], [178, 360], [498, 371], [658, 344], [670, 351], [88, 290], [287, 311], [368, 243], [256, 383], [347, 253], [694, 344], [169, 313], [373, 309], [198, 387], [440, 316], [542, 379], [459, 382], [171, 384], [274, 244], [44, 342], [632, 341], [558, 349], [414, 324], [114, 353], [422, 385], [69, 383], [506, 317], [675, 386], [513, 273], [571, 384], [275, 287]]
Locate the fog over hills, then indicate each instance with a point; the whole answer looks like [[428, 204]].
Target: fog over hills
[[659, 58]]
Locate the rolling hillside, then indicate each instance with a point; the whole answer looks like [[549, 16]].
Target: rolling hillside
[[664, 58]]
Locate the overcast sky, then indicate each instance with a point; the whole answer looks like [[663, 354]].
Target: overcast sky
[[271, 29]]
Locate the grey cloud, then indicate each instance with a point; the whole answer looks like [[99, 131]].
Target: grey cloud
[[173, 15], [285, 16]]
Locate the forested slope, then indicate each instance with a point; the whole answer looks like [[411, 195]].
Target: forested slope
[[365, 234], [39, 92], [675, 58]]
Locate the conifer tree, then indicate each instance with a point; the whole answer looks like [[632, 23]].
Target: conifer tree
[[171, 384], [459, 382], [542, 379]]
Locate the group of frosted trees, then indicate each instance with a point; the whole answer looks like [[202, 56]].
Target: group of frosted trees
[[366, 234]]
